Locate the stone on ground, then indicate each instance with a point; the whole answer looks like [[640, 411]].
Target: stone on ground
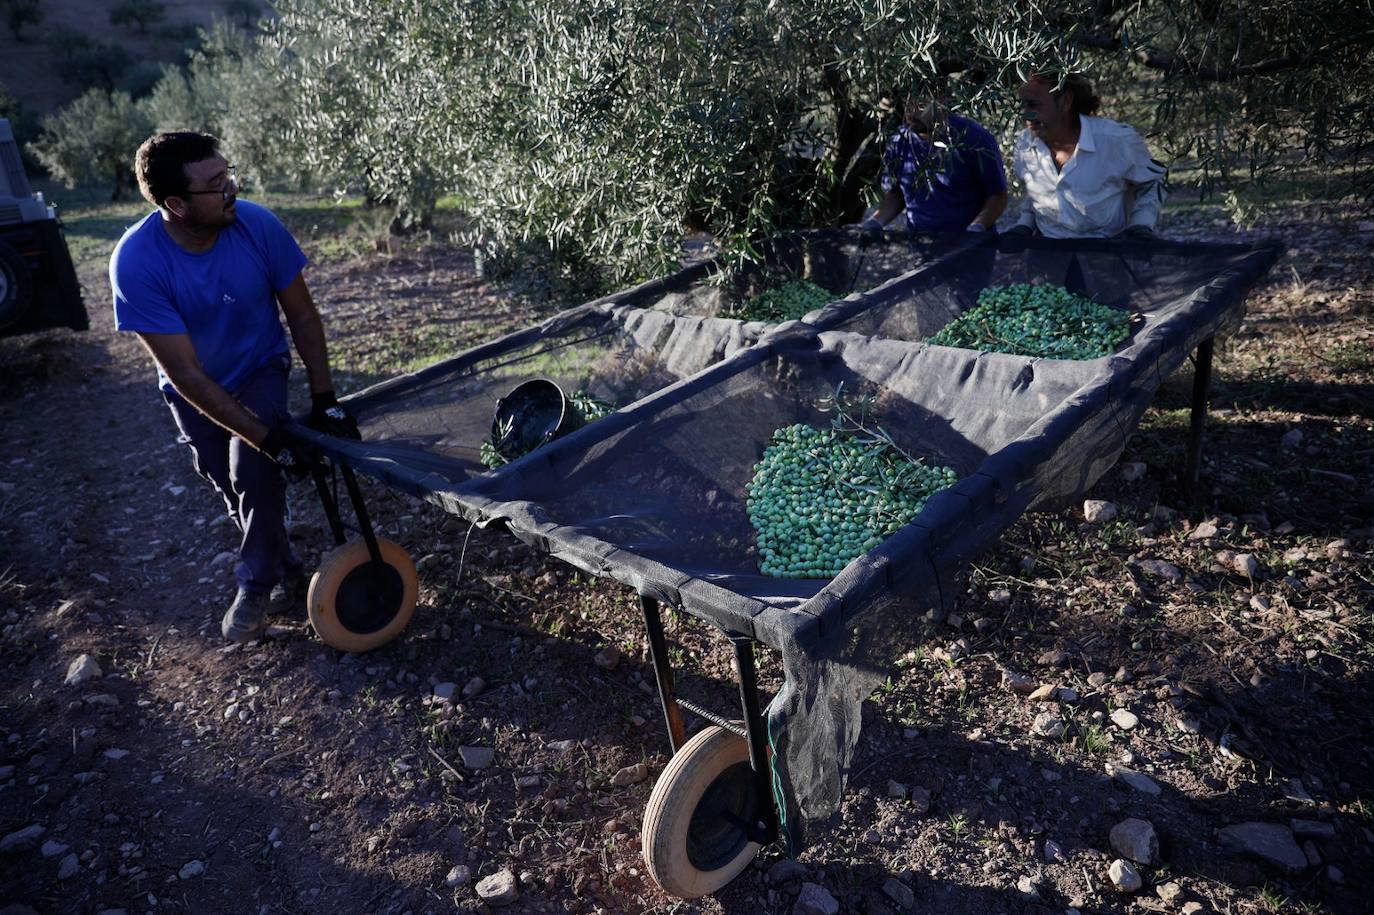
[[1268, 842], [1123, 876], [1018, 683], [1304, 829], [21, 840], [69, 867], [1055, 657], [476, 757], [1204, 531], [630, 775], [82, 669], [1124, 719], [607, 658], [815, 900], [1135, 839], [499, 889], [899, 893], [1161, 569], [1096, 511], [786, 869], [1048, 725], [1137, 780]]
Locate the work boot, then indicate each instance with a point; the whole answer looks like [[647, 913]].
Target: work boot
[[287, 595], [245, 619]]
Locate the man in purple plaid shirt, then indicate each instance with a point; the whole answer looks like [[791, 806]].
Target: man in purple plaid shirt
[[944, 170]]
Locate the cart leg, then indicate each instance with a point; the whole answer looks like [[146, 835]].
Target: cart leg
[[331, 507], [1202, 382], [658, 652], [355, 495], [766, 829]]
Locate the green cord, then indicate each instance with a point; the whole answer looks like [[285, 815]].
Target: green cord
[[778, 798]]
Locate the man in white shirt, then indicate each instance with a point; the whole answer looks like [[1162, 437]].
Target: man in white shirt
[[1085, 176]]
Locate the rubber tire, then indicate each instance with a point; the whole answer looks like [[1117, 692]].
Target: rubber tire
[[669, 815], [324, 590], [16, 285]]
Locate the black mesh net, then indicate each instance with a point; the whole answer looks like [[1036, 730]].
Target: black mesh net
[[654, 494], [438, 418], [616, 350], [837, 260]]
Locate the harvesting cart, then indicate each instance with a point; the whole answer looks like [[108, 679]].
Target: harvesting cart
[[653, 495]]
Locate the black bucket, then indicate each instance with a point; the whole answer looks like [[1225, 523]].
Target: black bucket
[[536, 412]]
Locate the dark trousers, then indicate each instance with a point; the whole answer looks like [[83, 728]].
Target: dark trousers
[[251, 484]]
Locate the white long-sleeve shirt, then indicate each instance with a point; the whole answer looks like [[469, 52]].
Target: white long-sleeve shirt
[[1109, 183]]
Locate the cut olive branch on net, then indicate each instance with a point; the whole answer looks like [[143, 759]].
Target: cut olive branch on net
[[851, 418]]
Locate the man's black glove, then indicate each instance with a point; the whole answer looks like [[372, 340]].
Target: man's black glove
[[1139, 233], [1018, 231], [330, 417], [870, 232], [294, 460]]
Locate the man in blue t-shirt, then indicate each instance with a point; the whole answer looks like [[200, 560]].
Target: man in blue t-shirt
[[200, 281], [944, 170]]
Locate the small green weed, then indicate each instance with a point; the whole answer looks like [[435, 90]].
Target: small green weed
[[1096, 740], [1273, 899]]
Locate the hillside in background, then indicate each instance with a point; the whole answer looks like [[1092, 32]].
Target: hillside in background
[[29, 68]]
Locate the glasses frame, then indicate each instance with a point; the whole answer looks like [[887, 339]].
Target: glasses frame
[[231, 185]]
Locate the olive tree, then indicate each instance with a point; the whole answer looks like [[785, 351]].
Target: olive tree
[[138, 13], [231, 87], [93, 139], [600, 129]]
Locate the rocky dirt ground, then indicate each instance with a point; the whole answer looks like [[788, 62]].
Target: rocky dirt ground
[[1142, 704]]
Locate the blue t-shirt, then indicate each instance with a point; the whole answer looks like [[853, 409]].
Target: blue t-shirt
[[944, 188], [224, 298]]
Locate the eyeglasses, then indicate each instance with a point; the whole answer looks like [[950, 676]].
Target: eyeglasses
[[230, 186]]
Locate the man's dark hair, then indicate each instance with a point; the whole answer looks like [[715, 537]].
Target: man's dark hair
[[160, 164], [1085, 101]]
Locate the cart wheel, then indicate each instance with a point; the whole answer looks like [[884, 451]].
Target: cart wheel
[[695, 838], [355, 605]]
